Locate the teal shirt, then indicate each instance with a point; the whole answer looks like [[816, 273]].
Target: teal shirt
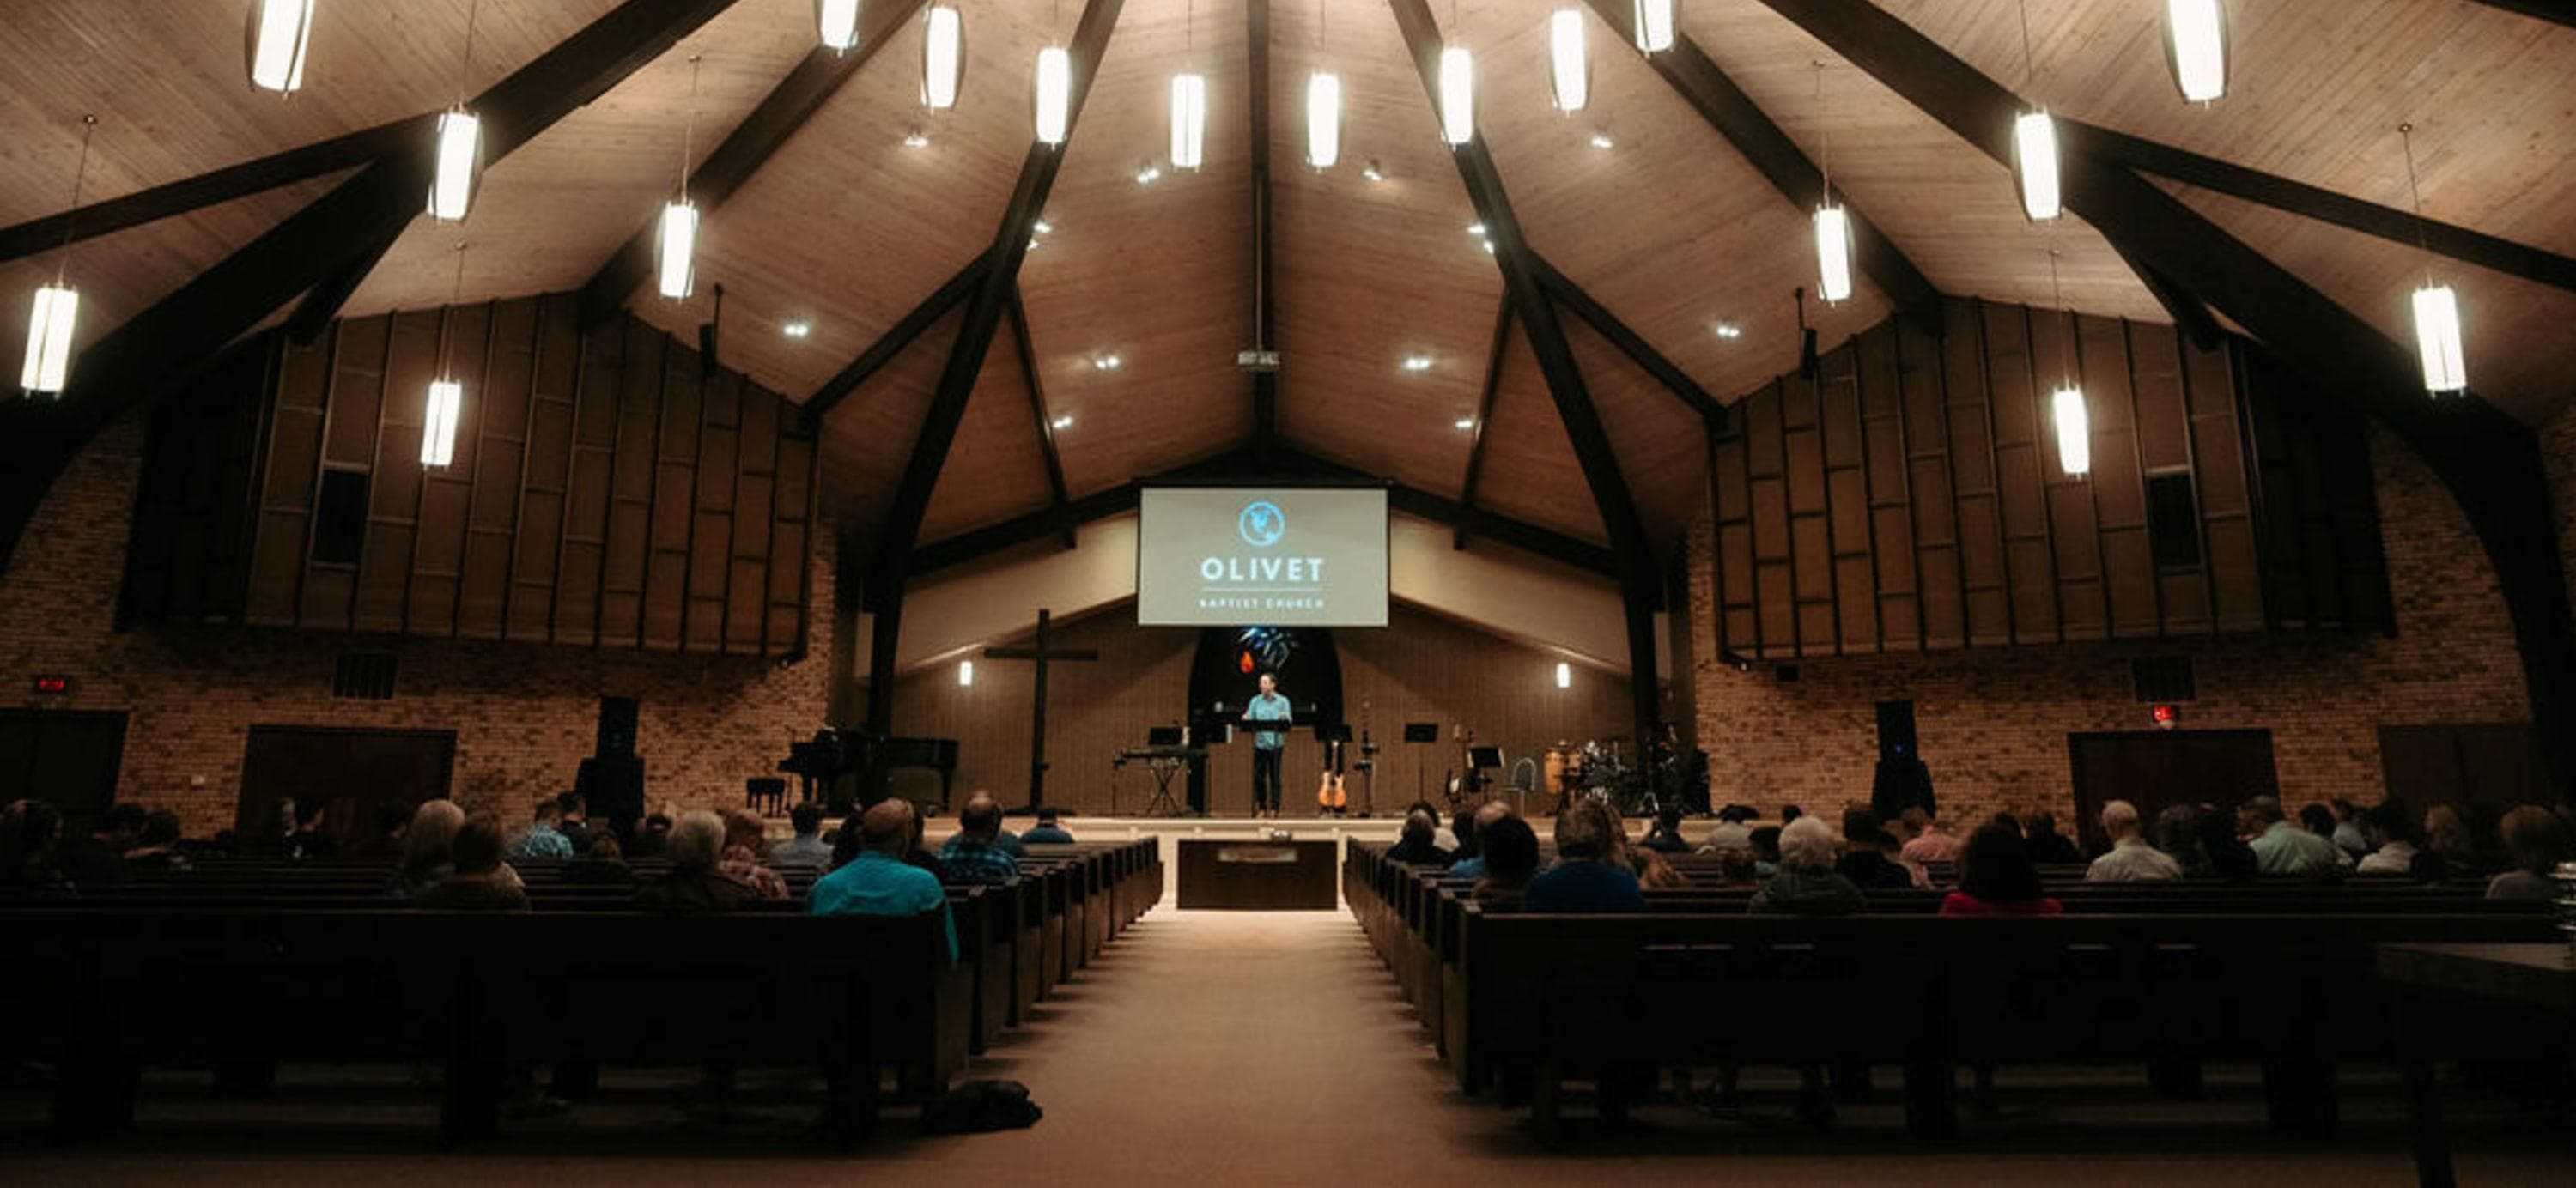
[[1268, 707], [874, 884]]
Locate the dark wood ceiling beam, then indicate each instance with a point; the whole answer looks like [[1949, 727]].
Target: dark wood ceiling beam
[[1629, 342], [1265, 323], [2556, 12], [302, 163], [910, 326], [1641, 584], [1484, 413], [1733, 114], [890, 567], [748, 147], [2491, 462], [2324, 205], [1019, 319], [167, 344]]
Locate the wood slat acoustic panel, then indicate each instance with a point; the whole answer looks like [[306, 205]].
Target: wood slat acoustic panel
[[602, 491], [1911, 496]]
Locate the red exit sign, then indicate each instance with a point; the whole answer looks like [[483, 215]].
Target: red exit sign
[[52, 685]]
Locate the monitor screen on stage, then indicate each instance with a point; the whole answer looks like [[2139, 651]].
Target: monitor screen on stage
[[1281, 557]]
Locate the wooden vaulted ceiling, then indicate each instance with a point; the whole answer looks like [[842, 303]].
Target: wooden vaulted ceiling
[[1669, 228]]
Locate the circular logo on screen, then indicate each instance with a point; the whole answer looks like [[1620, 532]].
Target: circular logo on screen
[[1261, 523]]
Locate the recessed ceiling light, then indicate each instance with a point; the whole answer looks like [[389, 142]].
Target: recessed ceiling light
[[1728, 330], [1106, 362], [1373, 172], [1466, 422], [1417, 362], [798, 328], [1601, 140], [915, 139], [1062, 422]]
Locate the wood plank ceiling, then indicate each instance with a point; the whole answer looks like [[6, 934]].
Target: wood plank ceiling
[[847, 228]]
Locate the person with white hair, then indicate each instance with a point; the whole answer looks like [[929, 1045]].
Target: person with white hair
[[1808, 884], [696, 882], [2131, 859]]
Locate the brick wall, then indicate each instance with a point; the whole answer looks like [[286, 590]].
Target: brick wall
[[1993, 722], [524, 714]]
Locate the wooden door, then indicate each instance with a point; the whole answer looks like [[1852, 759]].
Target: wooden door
[[350, 771], [68, 757], [2155, 768], [2494, 762]]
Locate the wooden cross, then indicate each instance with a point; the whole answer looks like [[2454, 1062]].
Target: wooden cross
[[1040, 654]]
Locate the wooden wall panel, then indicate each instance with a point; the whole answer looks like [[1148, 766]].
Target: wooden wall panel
[[601, 491], [1911, 496]]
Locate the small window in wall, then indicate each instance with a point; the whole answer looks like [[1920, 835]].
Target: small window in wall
[[2173, 521], [340, 518]]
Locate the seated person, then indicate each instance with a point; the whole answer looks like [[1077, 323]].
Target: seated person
[[1417, 847], [477, 881], [1509, 858], [157, 847], [1997, 878], [1666, 837], [1049, 831], [1808, 884], [744, 838], [2282, 846], [2131, 859], [544, 836], [1486, 814], [876, 881], [696, 883], [601, 863], [806, 848], [2535, 843], [1584, 878], [1863, 862], [2047, 846], [975, 853], [425, 858]]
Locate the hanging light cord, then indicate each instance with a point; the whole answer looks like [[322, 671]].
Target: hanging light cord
[[71, 214], [2406, 139], [465, 61], [689, 131]]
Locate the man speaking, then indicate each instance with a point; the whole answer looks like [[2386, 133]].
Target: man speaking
[[1267, 744]]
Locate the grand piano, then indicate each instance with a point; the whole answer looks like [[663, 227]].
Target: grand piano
[[821, 763]]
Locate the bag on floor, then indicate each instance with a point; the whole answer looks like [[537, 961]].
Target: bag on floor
[[978, 1106]]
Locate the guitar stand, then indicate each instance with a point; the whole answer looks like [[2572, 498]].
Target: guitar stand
[[1162, 805]]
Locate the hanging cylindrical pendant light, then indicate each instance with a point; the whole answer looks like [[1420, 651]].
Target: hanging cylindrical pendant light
[[2074, 430], [1457, 95], [460, 142], [2035, 165], [2437, 308], [1189, 120], [1569, 65], [1833, 253], [446, 398], [2437, 339], [837, 22], [1323, 119], [56, 313], [275, 43], [1054, 93], [2196, 48], [943, 57], [49, 340], [1653, 21]]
